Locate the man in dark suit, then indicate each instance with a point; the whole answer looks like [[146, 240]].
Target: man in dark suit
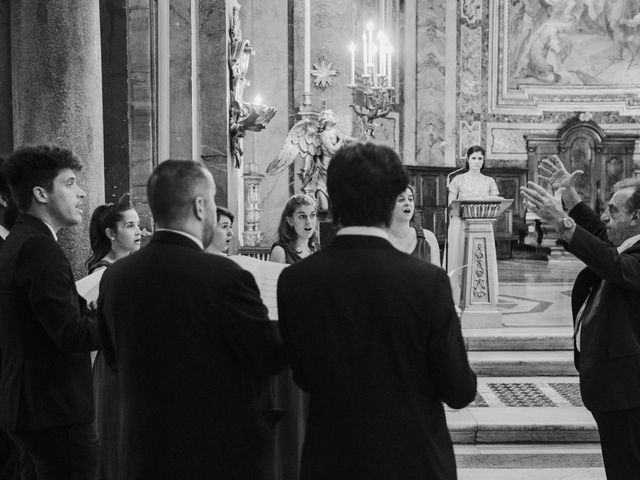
[[192, 344], [606, 306], [372, 335], [46, 331], [8, 451]]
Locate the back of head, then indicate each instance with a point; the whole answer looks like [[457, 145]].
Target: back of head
[[172, 187], [36, 166], [363, 181]]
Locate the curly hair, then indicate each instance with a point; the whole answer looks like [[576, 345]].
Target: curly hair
[[36, 166]]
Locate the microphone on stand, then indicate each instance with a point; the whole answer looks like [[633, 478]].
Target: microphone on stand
[[449, 176], [446, 218]]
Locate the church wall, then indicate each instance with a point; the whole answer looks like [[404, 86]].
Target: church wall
[[115, 89], [265, 25], [6, 122], [500, 131]]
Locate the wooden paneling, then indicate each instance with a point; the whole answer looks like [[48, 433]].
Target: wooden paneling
[[431, 202]]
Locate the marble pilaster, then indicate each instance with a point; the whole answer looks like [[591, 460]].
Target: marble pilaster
[[115, 94], [266, 27], [57, 94], [141, 105], [6, 133], [430, 121]]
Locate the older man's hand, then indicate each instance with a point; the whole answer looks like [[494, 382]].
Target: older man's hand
[[551, 170], [539, 201]]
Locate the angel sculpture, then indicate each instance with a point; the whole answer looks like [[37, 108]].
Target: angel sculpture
[[315, 142]]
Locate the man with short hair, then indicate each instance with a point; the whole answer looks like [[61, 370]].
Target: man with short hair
[[192, 344], [46, 330], [372, 335], [605, 304]]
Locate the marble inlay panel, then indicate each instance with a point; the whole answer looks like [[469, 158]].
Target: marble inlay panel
[[470, 65], [430, 83]]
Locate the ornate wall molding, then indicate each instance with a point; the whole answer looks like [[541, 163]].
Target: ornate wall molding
[[537, 64]]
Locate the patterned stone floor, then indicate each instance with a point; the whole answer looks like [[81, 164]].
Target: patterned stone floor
[[527, 392]]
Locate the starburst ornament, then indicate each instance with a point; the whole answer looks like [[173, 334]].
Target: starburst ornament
[[323, 74]]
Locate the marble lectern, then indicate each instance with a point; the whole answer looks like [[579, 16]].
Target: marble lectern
[[480, 276]]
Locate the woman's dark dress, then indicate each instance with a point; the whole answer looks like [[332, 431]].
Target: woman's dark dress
[[107, 411], [295, 403], [422, 250]]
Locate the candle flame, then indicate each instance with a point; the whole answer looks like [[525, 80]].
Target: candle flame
[[258, 99], [352, 47], [370, 26]]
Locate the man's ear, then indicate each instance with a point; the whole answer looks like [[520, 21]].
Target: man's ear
[[635, 218], [41, 195], [199, 207]]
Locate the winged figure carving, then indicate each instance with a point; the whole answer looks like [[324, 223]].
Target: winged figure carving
[[302, 141], [315, 141]]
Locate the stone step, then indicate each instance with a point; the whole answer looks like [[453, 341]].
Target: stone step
[[531, 474], [516, 425], [529, 455], [522, 363], [518, 338]]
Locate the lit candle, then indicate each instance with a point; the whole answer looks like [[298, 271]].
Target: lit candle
[[374, 70], [370, 47], [382, 43], [307, 46], [257, 100], [364, 53], [352, 49], [389, 68]]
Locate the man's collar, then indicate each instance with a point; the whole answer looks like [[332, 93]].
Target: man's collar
[[3, 232], [180, 232], [53, 232], [628, 243], [367, 231]]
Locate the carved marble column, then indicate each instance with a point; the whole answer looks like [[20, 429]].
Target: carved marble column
[[57, 94]]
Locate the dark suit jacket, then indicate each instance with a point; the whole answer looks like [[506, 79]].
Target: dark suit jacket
[[46, 333], [372, 335], [192, 344], [609, 360]]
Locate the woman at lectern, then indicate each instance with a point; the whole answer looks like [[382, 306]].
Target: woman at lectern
[[471, 185]]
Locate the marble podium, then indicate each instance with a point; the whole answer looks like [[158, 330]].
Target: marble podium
[[480, 276]]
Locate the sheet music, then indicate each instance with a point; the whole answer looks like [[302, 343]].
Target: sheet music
[[89, 286], [266, 275]]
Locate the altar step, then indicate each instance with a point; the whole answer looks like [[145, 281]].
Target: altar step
[[529, 455], [503, 352], [521, 363], [518, 338], [522, 425]]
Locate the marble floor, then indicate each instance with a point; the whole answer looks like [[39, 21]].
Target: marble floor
[[535, 293]]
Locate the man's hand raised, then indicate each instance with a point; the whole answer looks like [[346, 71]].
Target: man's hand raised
[[551, 170]]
